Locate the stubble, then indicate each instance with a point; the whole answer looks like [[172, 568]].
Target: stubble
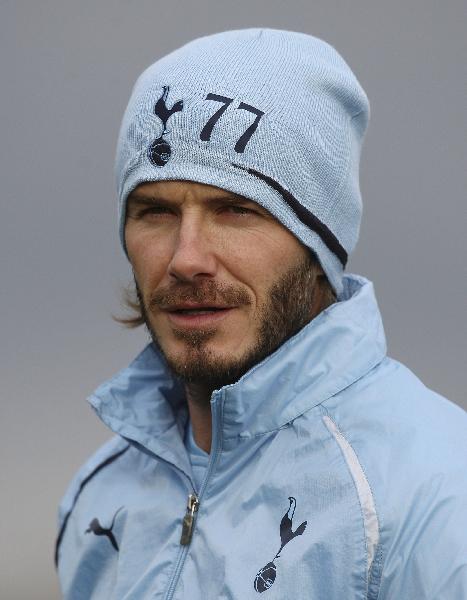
[[288, 308]]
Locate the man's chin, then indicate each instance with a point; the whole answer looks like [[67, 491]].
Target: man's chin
[[194, 340], [201, 365]]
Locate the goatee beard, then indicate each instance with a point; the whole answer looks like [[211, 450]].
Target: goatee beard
[[288, 308]]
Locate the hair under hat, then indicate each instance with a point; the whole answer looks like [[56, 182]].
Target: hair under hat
[[275, 116]]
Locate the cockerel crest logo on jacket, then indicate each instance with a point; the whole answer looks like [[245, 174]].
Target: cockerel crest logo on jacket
[[267, 575]]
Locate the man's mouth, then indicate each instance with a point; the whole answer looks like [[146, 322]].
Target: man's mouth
[[197, 315], [204, 310]]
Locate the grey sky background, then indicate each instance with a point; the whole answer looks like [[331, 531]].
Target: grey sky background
[[67, 71]]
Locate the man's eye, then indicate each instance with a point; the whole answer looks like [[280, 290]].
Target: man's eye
[[238, 210], [152, 210]]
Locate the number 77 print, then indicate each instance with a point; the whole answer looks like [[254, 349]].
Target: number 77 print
[[243, 140]]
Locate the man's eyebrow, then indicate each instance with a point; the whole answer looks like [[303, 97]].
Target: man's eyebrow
[[145, 200], [135, 198]]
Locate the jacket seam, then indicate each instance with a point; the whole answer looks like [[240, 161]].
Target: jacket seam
[[368, 594], [206, 493], [375, 570], [374, 573]]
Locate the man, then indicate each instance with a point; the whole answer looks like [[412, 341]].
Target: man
[[265, 442]]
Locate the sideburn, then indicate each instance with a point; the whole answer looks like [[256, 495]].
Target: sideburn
[[292, 305]]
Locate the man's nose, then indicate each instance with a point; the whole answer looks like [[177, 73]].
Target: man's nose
[[193, 254]]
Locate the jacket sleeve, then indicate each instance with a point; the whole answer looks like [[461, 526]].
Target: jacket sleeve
[[426, 557]]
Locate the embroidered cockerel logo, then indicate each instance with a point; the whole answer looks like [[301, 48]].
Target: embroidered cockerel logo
[[160, 151], [267, 575]]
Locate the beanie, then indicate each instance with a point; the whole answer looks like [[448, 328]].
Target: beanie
[[275, 116]]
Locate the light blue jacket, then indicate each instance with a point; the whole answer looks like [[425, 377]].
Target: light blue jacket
[[335, 474]]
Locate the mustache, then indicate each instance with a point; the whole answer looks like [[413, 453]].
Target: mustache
[[206, 292]]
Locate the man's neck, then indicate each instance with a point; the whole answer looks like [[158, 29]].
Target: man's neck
[[199, 406]]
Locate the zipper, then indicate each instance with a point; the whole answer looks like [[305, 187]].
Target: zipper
[[189, 519], [193, 504], [188, 526]]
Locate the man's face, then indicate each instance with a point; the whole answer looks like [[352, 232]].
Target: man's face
[[221, 282]]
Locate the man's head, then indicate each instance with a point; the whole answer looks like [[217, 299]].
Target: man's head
[[221, 283], [268, 124], [274, 116]]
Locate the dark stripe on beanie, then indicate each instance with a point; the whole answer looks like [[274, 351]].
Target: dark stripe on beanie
[[305, 216]]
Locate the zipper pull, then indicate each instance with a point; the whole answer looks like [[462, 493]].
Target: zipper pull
[[189, 519]]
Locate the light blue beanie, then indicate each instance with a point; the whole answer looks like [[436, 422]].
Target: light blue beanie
[[275, 116]]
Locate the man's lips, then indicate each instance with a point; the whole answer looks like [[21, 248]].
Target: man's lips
[[197, 315], [195, 306]]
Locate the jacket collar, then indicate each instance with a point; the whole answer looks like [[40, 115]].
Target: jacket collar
[[145, 404]]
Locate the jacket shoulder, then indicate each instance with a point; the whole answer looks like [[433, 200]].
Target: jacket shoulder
[[104, 456], [401, 428], [390, 394], [411, 444], [107, 453]]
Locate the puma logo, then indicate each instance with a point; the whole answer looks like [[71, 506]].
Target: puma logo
[[96, 528]]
